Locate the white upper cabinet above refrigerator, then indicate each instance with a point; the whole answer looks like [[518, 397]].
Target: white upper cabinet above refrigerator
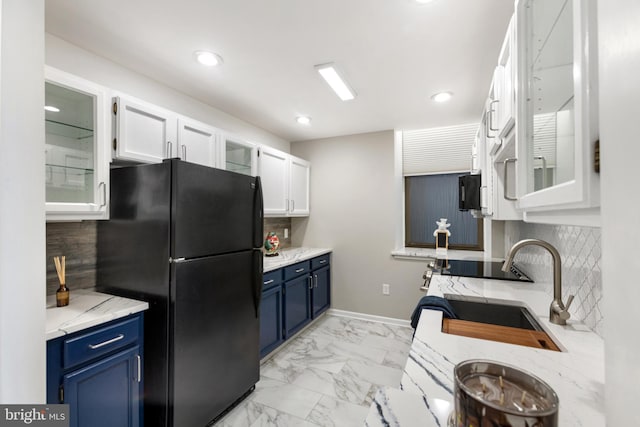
[[238, 155], [142, 131], [197, 142]]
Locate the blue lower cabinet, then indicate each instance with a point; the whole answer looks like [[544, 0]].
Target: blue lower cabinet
[[321, 293], [105, 393], [292, 296], [270, 320], [98, 373], [297, 311]]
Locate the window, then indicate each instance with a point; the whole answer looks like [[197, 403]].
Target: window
[[432, 161], [431, 197]]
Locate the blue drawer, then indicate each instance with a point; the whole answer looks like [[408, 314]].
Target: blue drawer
[[321, 261], [100, 342], [296, 270], [271, 279]]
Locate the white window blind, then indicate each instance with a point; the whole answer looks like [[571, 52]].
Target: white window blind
[[438, 150]]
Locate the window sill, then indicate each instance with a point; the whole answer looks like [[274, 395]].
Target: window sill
[[420, 254]]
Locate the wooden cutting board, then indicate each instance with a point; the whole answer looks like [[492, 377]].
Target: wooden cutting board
[[536, 339]]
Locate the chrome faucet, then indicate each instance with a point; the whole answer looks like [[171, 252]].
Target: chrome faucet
[[558, 312]]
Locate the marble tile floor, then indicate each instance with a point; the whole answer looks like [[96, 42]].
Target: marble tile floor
[[326, 376]]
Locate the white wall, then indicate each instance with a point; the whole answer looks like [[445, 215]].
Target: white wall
[[353, 210], [619, 68], [22, 218], [75, 60]]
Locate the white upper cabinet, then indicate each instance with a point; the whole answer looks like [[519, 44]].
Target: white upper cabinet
[[143, 132], [557, 111], [273, 167], [238, 155], [76, 148], [299, 171], [504, 80], [285, 183], [197, 142]]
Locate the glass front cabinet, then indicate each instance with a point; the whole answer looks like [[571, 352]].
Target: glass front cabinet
[[238, 155], [76, 148], [556, 125]]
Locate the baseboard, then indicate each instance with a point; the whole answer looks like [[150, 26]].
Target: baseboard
[[369, 317]]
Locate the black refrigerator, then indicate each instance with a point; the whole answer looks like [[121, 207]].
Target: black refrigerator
[[186, 238]]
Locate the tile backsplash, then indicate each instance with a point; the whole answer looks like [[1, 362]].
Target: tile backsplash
[[278, 225], [580, 250], [77, 241]]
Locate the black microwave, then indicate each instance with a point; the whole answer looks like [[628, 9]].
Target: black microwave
[[469, 192]]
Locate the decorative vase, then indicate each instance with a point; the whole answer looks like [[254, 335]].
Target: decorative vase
[[271, 244]]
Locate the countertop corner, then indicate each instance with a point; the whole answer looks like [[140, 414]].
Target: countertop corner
[[87, 308]]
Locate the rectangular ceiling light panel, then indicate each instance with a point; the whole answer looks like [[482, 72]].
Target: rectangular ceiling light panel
[[337, 83]]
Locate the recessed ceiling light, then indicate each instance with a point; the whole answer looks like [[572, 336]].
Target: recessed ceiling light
[[442, 96], [209, 59], [337, 83], [303, 120], [52, 108]]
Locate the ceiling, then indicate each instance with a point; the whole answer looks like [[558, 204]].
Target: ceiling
[[394, 53]]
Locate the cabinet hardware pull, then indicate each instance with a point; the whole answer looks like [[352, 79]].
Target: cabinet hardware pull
[[486, 126], [315, 278], [139, 367], [286, 201], [169, 149], [505, 178], [61, 394], [104, 194], [268, 282], [115, 108], [300, 270], [102, 344], [323, 261], [310, 282], [184, 152], [293, 205], [544, 170], [491, 111]]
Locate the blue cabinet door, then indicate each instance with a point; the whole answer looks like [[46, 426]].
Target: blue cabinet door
[[297, 301], [105, 393], [270, 320], [321, 290]]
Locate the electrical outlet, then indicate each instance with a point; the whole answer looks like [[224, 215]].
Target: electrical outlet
[[286, 233], [385, 289]]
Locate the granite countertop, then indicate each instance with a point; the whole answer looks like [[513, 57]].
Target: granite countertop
[[425, 395], [86, 309], [290, 256]]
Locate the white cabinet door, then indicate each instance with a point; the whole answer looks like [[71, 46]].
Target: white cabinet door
[[273, 167], [197, 142], [299, 171], [76, 148], [238, 155], [143, 132], [557, 112]]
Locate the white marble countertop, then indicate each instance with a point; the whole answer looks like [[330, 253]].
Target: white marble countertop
[[576, 374], [290, 256], [86, 309]]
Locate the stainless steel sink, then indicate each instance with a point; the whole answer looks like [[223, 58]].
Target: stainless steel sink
[[483, 311]]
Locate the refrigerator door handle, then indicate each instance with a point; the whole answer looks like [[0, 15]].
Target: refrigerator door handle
[[258, 209], [257, 280]]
